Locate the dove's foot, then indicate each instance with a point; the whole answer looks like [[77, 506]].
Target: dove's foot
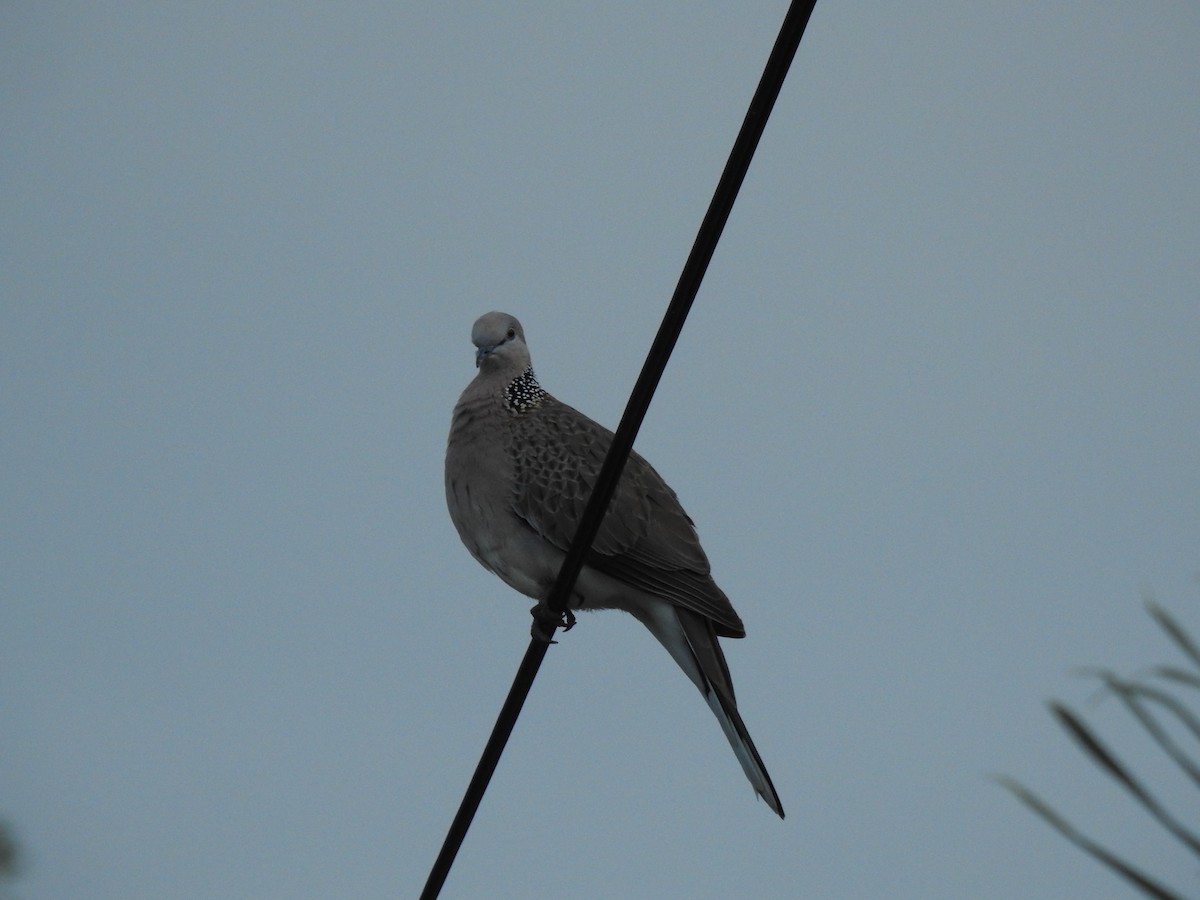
[[546, 620]]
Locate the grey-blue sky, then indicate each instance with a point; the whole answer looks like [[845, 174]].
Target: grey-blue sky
[[934, 415]]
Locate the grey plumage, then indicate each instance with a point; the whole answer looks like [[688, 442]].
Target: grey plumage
[[520, 466]]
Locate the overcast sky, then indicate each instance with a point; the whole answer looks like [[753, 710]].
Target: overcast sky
[[935, 414]]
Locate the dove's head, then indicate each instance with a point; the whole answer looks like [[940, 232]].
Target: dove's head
[[500, 343]]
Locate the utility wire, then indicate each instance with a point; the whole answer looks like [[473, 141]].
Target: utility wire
[[703, 248]]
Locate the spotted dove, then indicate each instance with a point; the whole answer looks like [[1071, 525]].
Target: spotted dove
[[520, 466]]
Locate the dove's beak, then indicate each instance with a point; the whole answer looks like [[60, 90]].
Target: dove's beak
[[482, 353]]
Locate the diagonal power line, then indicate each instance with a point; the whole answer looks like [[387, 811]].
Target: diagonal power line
[[703, 248]]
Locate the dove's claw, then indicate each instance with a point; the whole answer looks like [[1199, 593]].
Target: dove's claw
[[546, 620]]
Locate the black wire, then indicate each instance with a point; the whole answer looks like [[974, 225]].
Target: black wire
[[703, 248]]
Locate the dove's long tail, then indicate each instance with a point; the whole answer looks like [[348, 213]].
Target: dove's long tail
[[692, 643]]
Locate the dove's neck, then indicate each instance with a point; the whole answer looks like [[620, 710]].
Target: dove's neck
[[523, 394]]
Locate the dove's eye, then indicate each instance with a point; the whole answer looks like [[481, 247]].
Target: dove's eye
[[512, 333]]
